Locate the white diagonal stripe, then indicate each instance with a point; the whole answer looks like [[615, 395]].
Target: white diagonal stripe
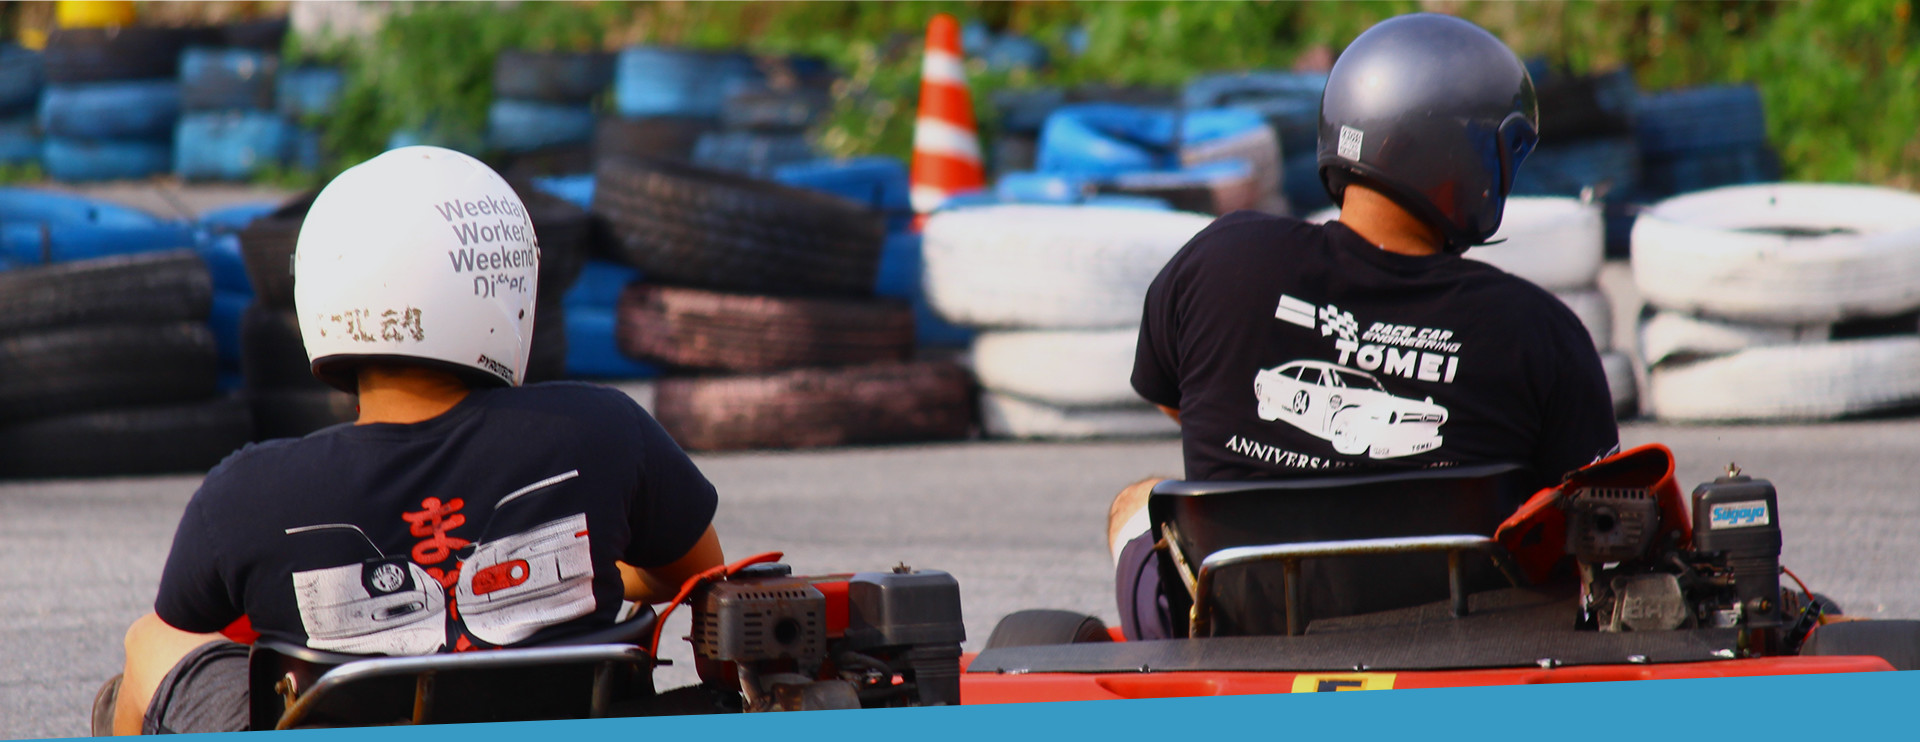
[[943, 67], [938, 137], [1296, 311], [542, 484]]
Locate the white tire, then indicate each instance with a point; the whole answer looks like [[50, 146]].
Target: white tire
[[1854, 252], [1557, 243], [1790, 382], [1621, 383], [1679, 337], [1075, 368], [1005, 416], [1055, 267], [1595, 313]]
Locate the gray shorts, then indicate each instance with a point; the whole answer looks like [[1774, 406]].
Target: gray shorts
[[205, 692]]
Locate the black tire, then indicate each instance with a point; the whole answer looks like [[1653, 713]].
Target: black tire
[[164, 439], [142, 287], [267, 35], [687, 225], [565, 233], [554, 77], [693, 328], [667, 137], [548, 360], [266, 246], [1896, 641], [805, 408], [128, 53], [1045, 627], [74, 370], [272, 355], [775, 110], [565, 159], [292, 413]]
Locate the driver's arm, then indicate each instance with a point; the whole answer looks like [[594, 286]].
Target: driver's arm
[[659, 584], [1171, 412]]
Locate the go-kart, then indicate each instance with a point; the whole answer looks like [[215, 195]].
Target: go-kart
[[1422, 580]]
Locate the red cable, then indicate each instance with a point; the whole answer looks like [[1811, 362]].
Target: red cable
[[694, 582]]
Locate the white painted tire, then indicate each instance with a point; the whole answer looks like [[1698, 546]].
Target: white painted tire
[[1595, 313], [1818, 381], [1672, 336], [1074, 368], [1005, 416], [1033, 266], [1698, 253], [1557, 243], [1621, 383]]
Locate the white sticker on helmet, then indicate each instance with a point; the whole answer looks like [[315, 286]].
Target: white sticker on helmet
[[1350, 139]]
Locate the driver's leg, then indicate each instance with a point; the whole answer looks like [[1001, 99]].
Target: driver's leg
[[1137, 590], [1127, 516], [153, 649]]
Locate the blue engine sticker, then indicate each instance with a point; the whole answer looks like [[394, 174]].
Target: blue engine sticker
[[1740, 514]]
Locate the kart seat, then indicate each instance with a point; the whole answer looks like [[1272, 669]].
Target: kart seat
[[582, 676], [1375, 522]]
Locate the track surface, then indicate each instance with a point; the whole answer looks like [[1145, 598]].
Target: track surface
[[1019, 524]]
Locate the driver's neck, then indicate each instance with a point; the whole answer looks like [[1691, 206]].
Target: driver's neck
[[1384, 223], [406, 394]]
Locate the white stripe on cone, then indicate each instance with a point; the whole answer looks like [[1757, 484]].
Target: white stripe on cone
[[926, 198], [943, 67], [934, 136]]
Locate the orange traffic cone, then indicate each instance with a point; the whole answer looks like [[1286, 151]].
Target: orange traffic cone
[[946, 145]]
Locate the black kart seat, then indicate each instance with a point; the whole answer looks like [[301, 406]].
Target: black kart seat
[[1201, 519], [580, 676]]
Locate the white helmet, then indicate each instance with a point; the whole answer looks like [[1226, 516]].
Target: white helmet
[[423, 255]]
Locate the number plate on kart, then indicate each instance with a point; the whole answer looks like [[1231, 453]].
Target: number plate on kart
[[1324, 682]]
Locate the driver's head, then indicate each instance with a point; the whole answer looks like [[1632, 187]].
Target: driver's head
[[421, 256], [1434, 113]]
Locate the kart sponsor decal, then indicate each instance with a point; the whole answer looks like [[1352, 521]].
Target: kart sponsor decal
[[1326, 683], [1344, 401], [1739, 514]]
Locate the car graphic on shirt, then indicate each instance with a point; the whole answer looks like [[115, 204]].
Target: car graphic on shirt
[[1348, 407], [380, 606], [515, 585]]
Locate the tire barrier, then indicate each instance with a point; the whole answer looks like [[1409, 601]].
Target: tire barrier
[[526, 125], [19, 140], [901, 268], [1595, 313], [1696, 119], [775, 110], [551, 77], [1790, 382], [1558, 243], [1301, 184], [1622, 383], [547, 358], [39, 227], [1289, 101], [172, 286], [1577, 107], [669, 137], [22, 75], [1106, 139], [565, 235], [267, 245], [574, 189], [77, 160], [1703, 170], [272, 354], [1006, 416], [592, 350], [687, 225], [1057, 267], [229, 313], [79, 55], [48, 373], [1063, 368], [751, 153], [221, 251], [691, 328], [878, 182], [141, 110], [1025, 112], [1609, 166], [600, 284], [267, 34], [814, 407], [1674, 337], [230, 146], [292, 413], [1214, 188], [301, 92], [1782, 253], [227, 79], [658, 81], [163, 439]]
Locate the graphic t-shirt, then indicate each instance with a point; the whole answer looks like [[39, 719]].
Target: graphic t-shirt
[[495, 523], [1296, 349]]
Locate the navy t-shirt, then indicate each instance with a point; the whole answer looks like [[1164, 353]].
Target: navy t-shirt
[[495, 523], [1297, 349]]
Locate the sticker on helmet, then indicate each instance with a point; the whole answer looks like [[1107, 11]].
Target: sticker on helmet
[[1350, 139]]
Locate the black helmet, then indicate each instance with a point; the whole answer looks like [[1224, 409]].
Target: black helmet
[[1437, 114]]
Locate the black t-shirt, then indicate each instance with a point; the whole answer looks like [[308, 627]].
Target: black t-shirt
[[495, 523], [1296, 349]]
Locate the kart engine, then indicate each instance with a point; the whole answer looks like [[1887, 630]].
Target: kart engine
[[1729, 577], [865, 640]]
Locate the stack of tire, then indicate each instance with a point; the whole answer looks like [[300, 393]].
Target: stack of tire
[[543, 106], [1055, 293], [38, 228], [305, 96], [230, 130], [590, 304], [1559, 244], [1699, 138], [287, 401], [1211, 160], [764, 127], [666, 98], [1780, 301], [1587, 146], [759, 298], [1290, 103], [111, 102], [218, 241], [107, 367], [22, 76], [565, 232]]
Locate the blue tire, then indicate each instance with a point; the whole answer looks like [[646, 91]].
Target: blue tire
[[901, 266], [224, 320], [599, 285], [1012, 52], [300, 92], [60, 209], [657, 81], [1102, 139], [551, 77], [1701, 170], [213, 79], [19, 141], [524, 126], [1710, 118], [1290, 102], [80, 160], [144, 110], [1566, 169], [308, 151], [1043, 188], [592, 352], [751, 153], [229, 271], [22, 74], [1305, 193], [230, 146], [574, 189], [878, 182], [231, 219], [1026, 111]]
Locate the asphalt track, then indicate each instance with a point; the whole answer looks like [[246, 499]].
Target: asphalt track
[[1019, 524]]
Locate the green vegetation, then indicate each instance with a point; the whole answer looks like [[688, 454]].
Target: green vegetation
[[1841, 88]]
